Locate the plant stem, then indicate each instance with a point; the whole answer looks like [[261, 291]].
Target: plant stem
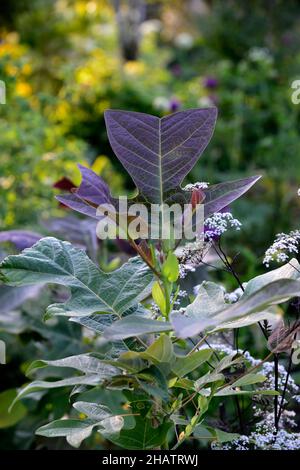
[[240, 415], [284, 389], [276, 389]]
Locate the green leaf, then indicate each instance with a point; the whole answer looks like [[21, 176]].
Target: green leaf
[[92, 410], [291, 270], [185, 365], [228, 391], [160, 351], [143, 436], [249, 379], [170, 268], [75, 430], [269, 314], [196, 321], [134, 325], [158, 297], [70, 381], [223, 436], [87, 363], [9, 416], [92, 290]]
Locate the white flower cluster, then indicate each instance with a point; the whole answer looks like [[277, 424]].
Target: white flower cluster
[[232, 297], [198, 185], [284, 246], [260, 54], [180, 295], [192, 256], [264, 438], [219, 223]]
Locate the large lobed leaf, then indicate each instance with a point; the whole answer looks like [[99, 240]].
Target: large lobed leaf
[[92, 290], [204, 315]]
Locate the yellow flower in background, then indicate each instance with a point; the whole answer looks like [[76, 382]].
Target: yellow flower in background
[[84, 76], [6, 182], [26, 69], [23, 89], [133, 67], [100, 163], [62, 110], [102, 106], [11, 70]]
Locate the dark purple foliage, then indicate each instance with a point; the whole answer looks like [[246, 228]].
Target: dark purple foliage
[[92, 192], [81, 232], [221, 195], [64, 183], [20, 238], [159, 153]]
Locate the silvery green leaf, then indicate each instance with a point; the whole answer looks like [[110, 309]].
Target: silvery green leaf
[[198, 321], [134, 325], [92, 290], [249, 379], [269, 314], [68, 382], [229, 391], [291, 270], [92, 410], [75, 430], [87, 363]]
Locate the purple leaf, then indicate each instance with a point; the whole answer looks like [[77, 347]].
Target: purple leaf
[[64, 183], [12, 297], [92, 187], [74, 202], [20, 238], [92, 192], [221, 195], [159, 153], [81, 232]]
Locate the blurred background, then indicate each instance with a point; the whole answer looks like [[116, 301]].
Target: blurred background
[[64, 62]]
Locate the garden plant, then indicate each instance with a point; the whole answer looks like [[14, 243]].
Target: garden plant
[[167, 366]]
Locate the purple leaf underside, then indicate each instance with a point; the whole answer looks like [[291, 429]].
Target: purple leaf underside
[[159, 152]]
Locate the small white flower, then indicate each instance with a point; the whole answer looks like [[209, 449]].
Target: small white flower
[[284, 246], [205, 102], [199, 185], [161, 102], [184, 40], [219, 223]]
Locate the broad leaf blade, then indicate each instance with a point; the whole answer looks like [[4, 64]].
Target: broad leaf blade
[[159, 153], [277, 291], [135, 326], [221, 195], [185, 365], [92, 290]]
